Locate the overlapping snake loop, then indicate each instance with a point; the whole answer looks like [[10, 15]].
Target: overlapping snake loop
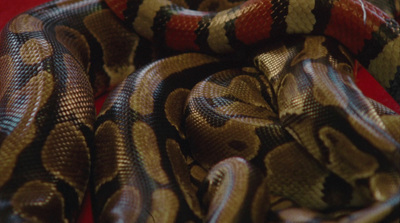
[[263, 124]]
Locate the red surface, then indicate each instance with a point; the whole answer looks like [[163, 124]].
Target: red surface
[[10, 8], [370, 87]]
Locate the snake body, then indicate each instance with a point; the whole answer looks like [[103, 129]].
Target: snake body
[[283, 136], [366, 31]]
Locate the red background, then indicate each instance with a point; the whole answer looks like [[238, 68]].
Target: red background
[[10, 8]]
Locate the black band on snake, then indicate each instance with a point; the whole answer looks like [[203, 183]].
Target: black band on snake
[[264, 123]]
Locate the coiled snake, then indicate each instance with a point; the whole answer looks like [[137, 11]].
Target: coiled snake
[[263, 124]]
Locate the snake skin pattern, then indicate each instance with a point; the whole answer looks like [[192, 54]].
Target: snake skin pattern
[[264, 124]]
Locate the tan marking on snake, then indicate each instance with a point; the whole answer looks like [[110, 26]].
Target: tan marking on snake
[[35, 51], [198, 173], [289, 169], [77, 102], [387, 63], [313, 49], [384, 185], [26, 23], [251, 106], [12, 147], [222, 182], [76, 43], [300, 18], [142, 98], [165, 211], [341, 154], [146, 144], [181, 172], [37, 91], [392, 123], [225, 141], [104, 141], [119, 50], [125, 205], [217, 38], [39, 201], [66, 155], [279, 203], [147, 11], [272, 68], [290, 100], [242, 87], [174, 108]]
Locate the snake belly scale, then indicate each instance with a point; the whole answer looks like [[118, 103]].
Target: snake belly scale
[[263, 124]]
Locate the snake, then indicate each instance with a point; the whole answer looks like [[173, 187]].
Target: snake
[[247, 113]]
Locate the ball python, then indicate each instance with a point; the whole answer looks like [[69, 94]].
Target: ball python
[[281, 160]]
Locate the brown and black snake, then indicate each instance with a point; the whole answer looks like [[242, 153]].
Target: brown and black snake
[[263, 123]]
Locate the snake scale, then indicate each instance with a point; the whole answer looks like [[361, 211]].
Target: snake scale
[[246, 114]]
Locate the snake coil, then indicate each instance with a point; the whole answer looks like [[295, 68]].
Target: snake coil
[[262, 123]]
